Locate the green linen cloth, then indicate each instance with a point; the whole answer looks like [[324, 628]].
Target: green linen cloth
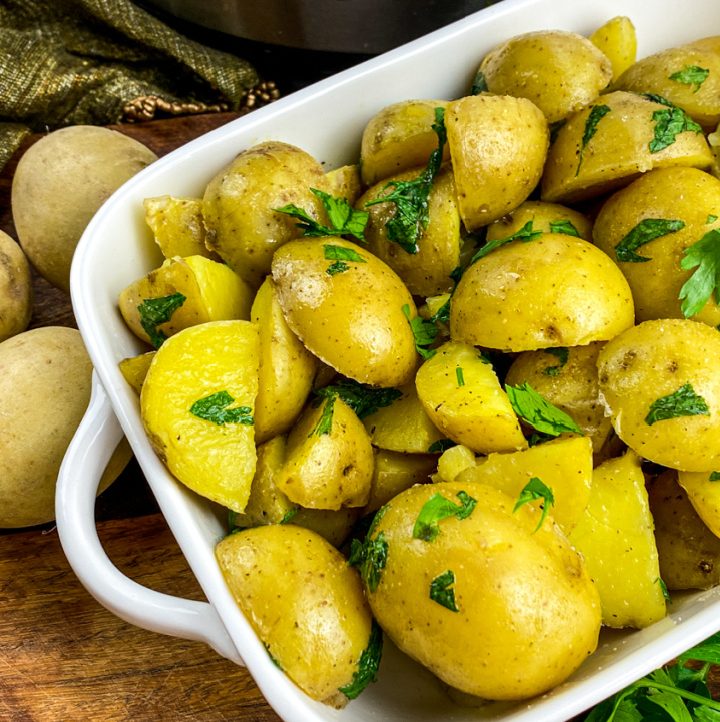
[[71, 62]]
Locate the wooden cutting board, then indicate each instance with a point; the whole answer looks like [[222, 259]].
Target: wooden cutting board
[[63, 657]]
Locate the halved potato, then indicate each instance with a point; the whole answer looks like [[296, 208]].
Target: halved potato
[[545, 217], [197, 407], [462, 396], [177, 226], [183, 292]]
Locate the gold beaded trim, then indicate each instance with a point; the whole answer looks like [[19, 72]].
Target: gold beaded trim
[[149, 107]]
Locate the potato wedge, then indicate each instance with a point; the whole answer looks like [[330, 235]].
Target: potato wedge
[[177, 226], [618, 41], [134, 369], [197, 406]]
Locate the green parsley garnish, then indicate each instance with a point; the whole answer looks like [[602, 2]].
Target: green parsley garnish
[[411, 198], [705, 254], [156, 311], [368, 664], [691, 75], [460, 376], [683, 402], [215, 408], [370, 556], [562, 354], [442, 315], [344, 218], [424, 333], [597, 113], [669, 123], [555, 129], [441, 590], [289, 515], [711, 218], [479, 84], [437, 508], [647, 230], [564, 226], [530, 406], [674, 692], [361, 398], [437, 447], [714, 476], [340, 254], [663, 589], [525, 234], [324, 424], [535, 489], [653, 97]]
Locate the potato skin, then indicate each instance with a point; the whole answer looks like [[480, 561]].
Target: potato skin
[[15, 288], [303, 600], [45, 378], [498, 146], [60, 183], [543, 216], [497, 645], [559, 71], [352, 320], [681, 194], [654, 360], [527, 296]]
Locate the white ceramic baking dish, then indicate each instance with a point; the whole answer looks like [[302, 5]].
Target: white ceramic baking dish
[[325, 119]]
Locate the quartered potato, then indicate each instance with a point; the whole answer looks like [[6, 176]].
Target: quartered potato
[[568, 379], [545, 217], [346, 306], [427, 272], [559, 71], [287, 368], [398, 138], [617, 40], [183, 292], [615, 537], [660, 381], [498, 146], [689, 552], [134, 369], [613, 141], [343, 182], [648, 228], [565, 466], [554, 290], [687, 76], [462, 396], [240, 205], [467, 573], [306, 605], [703, 491], [177, 226], [329, 458], [197, 406], [394, 472]]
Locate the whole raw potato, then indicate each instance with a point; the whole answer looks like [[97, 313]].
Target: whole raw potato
[[15, 288], [45, 379], [60, 183]]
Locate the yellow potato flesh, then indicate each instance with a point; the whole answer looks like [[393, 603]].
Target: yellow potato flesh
[[134, 369], [545, 217], [553, 291], [216, 460], [617, 40], [615, 537], [177, 226], [462, 396], [703, 491], [394, 472]]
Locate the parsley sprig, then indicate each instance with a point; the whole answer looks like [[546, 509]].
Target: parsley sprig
[[437, 508], [345, 220], [705, 255], [683, 402], [424, 332], [691, 75], [669, 123], [368, 664], [411, 198], [536, 489], [217, 408], [156, 311], [596, 114], [361, 398], [535, 410], [525, 234], [648, 229]]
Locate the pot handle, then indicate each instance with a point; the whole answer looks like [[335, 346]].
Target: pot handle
[[97, 436]]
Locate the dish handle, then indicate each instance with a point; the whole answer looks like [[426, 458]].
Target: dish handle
[[97, 436]]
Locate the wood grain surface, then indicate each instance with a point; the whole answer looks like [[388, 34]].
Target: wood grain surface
[[64, 657]]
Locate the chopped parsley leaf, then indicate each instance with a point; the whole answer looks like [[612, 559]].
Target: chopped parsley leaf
[[711, 218], [459, 376], [411, 198], [683, 402], [441, 590], [530, 406], [647, 230], [437, 508], [370, 556], [437, 447], [340, 254], [479, 84], [156, 311], [562, 354], [324, 424], [714, 476], [215, 408], [344, 218], [669, 123], [705, 254], [597, 113], [361, 398], [535, 489], [368, 664], [423, 331], [691, 75], [663, 589], [289, 515], [525, 234], [564, 226]]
